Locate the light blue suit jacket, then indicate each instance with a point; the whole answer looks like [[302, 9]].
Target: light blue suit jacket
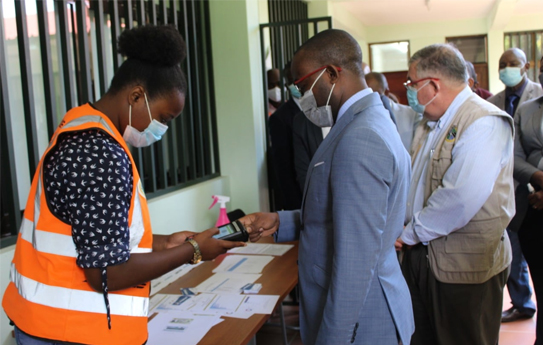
[[351, 286]]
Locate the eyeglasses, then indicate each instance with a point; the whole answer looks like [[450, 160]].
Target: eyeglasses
[[410, 84], [296, 82]]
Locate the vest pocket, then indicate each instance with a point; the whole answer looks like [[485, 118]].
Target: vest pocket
[[472, 248]]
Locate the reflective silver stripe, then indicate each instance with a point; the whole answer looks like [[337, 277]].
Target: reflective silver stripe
[[136, 226], [53, 243], [89, 118], [77, 300], [48, 242]]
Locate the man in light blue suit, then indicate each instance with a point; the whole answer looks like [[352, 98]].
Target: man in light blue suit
[[351, 286]]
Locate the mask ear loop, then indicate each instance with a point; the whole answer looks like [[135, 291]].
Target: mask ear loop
[[315, 82], [130, 115], [148, 109], [330, 95]]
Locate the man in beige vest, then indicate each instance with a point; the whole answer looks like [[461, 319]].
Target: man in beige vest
[[457, 251]]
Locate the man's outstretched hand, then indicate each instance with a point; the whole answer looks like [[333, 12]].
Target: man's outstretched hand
[[260, 224]]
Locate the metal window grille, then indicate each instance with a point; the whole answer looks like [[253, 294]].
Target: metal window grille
[[532, 44], [57, 54]]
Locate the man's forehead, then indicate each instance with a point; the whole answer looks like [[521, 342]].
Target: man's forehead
[[510, 56], [412, 71]]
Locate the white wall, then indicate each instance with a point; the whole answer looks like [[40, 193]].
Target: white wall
[[424, 34]]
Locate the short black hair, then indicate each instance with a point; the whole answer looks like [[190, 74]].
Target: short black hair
[[335, 47], [379, 78], [154, 55]]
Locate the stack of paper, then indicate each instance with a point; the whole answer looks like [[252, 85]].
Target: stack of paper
[[230, 305]]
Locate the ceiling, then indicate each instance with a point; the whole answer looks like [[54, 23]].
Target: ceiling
[[390, 12]]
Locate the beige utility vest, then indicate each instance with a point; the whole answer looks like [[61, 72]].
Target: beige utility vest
[[481, 249]]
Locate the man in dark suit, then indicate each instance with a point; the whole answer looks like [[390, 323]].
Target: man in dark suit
[[282, 153], [306, 140], [518, 89]]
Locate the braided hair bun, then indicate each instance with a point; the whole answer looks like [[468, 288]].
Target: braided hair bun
[[158, 45]]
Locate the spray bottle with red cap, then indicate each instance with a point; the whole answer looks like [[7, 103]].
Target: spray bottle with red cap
[[223, 217]]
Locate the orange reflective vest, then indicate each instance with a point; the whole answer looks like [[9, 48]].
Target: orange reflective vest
[[48, 295]]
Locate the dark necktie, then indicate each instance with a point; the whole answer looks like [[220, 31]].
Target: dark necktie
[[510, 104]]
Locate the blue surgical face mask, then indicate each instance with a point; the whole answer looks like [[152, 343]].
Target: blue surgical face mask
[[412, 98], [511, 76], [150, 135], [294, 91]]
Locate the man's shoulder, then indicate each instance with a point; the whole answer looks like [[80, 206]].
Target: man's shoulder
[[532, 104], [287, 109], [497, 97], [535, 88]]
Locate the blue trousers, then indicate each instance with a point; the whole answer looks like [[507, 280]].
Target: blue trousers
[[518, 283], [21, 338]]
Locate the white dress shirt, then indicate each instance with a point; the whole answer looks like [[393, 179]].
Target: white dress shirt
[[478, 156]]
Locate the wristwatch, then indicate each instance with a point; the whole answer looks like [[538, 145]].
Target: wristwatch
[[197, 257]]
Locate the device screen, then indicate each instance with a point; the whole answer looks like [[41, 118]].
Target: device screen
[[226, 230]]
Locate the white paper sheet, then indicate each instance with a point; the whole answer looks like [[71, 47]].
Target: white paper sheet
[[243, 264], [262, 249], [226, 282], [168, 278], [184, 303], [180, 328]]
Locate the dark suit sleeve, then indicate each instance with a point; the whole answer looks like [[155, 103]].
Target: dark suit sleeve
[[302, 151], [283, 159]]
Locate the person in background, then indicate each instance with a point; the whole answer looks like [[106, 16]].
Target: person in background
[[282, 150], [406, 118], [519, 89], [456, 250], [274, 90], [306, 139], [351, 286], [386, 101], [529, 169], [474, 84], [85, 252]]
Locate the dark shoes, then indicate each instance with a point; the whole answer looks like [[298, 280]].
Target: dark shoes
[[513, 314]]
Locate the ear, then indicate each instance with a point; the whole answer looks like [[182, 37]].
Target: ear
[[135, 95], [436, 84], [333, 73], [471, 83], [527, 66]]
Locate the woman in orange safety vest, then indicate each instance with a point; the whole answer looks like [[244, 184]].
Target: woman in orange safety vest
[[85, 252]]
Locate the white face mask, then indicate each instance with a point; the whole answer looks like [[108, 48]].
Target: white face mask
[[151, 134], [320, 116], [275, 94]]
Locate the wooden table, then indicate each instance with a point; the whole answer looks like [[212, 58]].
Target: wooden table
[[279, 277]]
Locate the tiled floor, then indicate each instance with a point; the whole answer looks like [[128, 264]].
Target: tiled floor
[[514, 333]]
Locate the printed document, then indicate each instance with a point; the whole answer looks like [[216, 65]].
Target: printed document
[[243, 264], [262, 249]]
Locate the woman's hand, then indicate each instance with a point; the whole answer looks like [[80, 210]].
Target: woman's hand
[[211, 247], [260, 224], [178, 238]]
